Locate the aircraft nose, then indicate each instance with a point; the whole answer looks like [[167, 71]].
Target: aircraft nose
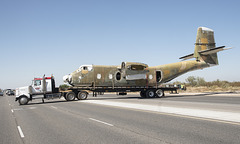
[[67, 78]]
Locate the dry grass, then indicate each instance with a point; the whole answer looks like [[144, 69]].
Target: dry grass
[[211, 89]]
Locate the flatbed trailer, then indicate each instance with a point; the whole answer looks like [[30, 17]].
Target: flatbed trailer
[[44, 88], [145, 91]]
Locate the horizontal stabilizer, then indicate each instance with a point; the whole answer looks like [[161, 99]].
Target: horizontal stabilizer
[[187, 57], [213, 50], [205, 52]]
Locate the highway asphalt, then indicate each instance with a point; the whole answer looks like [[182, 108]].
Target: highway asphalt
[[123, 119]]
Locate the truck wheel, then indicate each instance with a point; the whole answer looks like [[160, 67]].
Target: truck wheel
[[23, 100], [143, 94], [160, 93], [150, 93], [70, 96], [82, 95]]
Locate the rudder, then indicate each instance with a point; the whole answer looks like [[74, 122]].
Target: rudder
[[205, 41]]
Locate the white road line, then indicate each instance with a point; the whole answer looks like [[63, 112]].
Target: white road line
[[20, 132], [202, 113], [17, 109], [101, 122], [12, 110], [54, 107]]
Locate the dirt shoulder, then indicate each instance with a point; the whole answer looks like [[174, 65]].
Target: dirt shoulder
[[211, 89]]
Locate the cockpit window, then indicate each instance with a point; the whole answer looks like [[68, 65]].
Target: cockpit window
[[85, 68]]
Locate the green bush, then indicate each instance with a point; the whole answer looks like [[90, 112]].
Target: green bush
[[64, 87]]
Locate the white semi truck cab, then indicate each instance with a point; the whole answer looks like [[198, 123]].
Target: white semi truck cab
[[41, 88]]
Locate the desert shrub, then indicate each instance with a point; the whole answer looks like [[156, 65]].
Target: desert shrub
[[64, 87], [195, 81], [191, 80]]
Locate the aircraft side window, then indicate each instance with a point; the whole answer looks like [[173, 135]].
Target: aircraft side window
[[110, 76], [150, 76], [118, 76], [99, 76]]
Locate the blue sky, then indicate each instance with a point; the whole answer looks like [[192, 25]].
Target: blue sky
[[55, 37]]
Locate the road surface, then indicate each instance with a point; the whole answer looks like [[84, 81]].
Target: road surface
[[186, 118]]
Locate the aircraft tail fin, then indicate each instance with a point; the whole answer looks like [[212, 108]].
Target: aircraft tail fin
[[205, 47], [205, 41]]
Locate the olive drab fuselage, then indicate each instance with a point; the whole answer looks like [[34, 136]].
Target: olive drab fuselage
[[129, 76], [139, 74]]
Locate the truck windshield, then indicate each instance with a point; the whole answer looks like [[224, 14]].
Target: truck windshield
[[37, 82]]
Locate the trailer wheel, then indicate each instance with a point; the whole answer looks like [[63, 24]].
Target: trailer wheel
[[143, 94], [70, 96], [150, 93], [23, 100], [160, 93], [82, 95]]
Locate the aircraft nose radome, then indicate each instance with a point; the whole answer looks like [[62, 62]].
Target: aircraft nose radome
[[67, 78]]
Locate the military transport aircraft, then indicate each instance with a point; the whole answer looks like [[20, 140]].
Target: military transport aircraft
[[130, 74]]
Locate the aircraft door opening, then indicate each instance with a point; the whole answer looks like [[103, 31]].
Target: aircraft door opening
[[158, 76]]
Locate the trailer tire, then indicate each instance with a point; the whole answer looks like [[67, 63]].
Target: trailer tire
[[70, 96], [143, 94], [150, 93], [82, 95], [159, 93], [23, 100]]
